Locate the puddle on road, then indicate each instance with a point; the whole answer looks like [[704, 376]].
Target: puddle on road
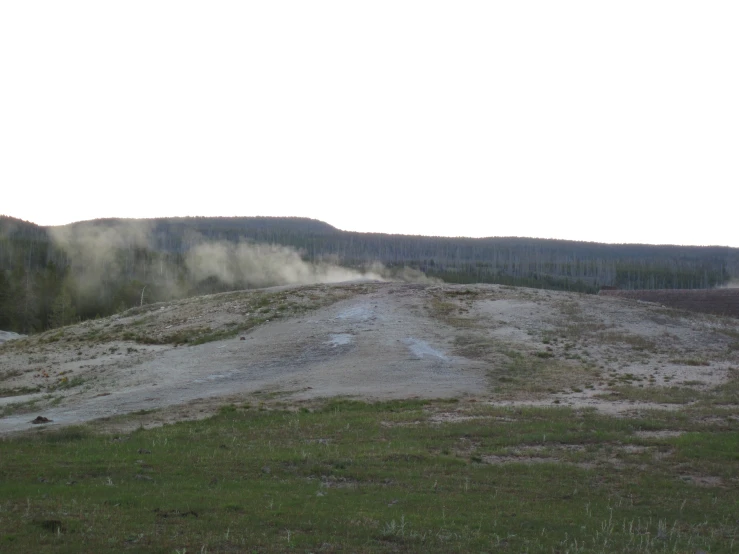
[[214, 377], [421, 348], [341, 339], [358, 313]]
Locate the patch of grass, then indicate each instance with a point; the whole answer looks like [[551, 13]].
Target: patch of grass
[[464, 293], [50, 336], [480, 347], [728, 392], [662, 395], [66, 383], [373, 478], [570, 309], [731, 333], [690, 362], [10, 374], [18, 391], [636, 342], [725, 394], [532, 376], [249, 308], [513, 373], [142, 321], [450, 312], [19, 407], [474, 346]]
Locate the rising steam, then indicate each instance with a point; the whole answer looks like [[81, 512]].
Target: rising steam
[[101, 252], [94, 250], [261, 265]]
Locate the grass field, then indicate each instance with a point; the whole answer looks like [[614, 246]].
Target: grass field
[[406, 476]]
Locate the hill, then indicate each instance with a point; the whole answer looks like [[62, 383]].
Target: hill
[[50, 276], [374, 417], [374, 340]]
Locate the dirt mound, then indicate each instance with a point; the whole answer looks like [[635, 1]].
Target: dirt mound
[[505, 345]]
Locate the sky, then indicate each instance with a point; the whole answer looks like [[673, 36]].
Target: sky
[[583, 120]]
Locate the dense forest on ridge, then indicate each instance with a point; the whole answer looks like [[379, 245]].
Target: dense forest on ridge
[[52, 276]]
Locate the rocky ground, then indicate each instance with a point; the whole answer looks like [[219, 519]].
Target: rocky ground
[[485, 343]]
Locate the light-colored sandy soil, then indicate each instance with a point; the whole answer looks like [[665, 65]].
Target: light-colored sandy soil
[[503, 345]]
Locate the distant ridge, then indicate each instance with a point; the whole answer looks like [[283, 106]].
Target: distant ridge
[[51, 275], [295, 224], [254, 224]]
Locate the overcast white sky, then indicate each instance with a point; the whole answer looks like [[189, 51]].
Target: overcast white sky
[[588, 120]]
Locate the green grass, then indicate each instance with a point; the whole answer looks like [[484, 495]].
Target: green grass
[[520, 374], [725, 394], [662, 395], [354, 477], [18, 407], [636, 342], [18, 391]]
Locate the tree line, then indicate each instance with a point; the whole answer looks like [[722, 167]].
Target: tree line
[[50, 277]]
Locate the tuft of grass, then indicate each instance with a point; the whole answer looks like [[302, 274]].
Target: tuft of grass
[[636, 342]]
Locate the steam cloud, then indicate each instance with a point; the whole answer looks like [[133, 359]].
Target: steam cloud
[[260, 265], [93, 249], [96, 254]]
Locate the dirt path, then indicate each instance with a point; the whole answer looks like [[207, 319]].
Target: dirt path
[[377, 345]]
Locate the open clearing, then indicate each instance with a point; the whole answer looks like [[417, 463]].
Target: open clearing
[[372, 417]]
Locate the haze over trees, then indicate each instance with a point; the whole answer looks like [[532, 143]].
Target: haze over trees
[[52, 276]]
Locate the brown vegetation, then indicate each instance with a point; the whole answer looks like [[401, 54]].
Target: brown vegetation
[[711, 301]]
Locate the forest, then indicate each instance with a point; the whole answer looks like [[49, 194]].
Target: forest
[[53, 276]]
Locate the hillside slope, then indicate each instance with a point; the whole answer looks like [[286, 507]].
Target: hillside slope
[[371, 340], [53, 276]]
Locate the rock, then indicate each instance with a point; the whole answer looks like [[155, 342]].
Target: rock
[[53, 525]]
